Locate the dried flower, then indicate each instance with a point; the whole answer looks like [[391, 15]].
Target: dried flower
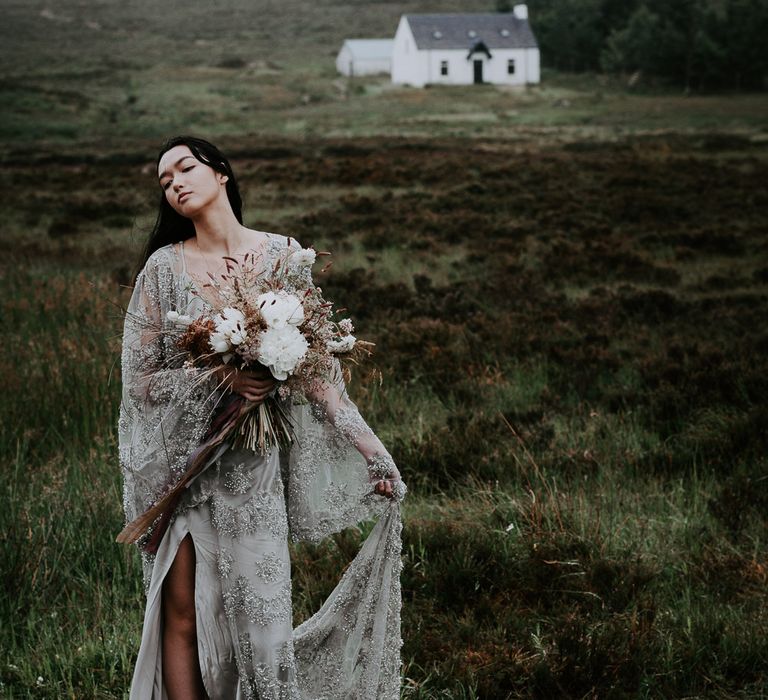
[[345, 344], [304, 257], [181, 319], [230, 329]]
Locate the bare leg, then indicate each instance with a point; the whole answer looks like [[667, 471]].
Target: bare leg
[[181, 666]]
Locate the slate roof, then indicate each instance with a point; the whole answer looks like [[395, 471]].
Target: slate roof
[[370, 48], [455, 29]]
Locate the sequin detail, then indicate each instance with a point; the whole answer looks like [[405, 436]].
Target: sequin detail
[[242, 599], [237, 480], [224, 563], [269, 568], [350, 423], [263, 511], [381, 464]]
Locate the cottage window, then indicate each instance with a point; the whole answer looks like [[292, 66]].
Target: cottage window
[[510, 66], [443, 67]]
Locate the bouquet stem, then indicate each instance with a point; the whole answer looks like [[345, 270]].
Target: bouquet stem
[[265, 427]]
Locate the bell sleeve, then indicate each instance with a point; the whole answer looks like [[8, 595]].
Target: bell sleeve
[[351, 646], [335, 461], [165, 407]]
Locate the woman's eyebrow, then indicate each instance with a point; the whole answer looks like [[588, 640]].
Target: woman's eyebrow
[[163, 174]]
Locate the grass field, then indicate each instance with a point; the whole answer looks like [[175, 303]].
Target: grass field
[[568, 289]]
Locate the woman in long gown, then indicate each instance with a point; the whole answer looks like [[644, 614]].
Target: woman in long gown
[[218, 619]]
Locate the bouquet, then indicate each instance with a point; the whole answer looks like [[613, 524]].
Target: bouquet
[[260, 318]]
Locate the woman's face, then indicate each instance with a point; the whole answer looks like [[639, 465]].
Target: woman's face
[[189, 184]]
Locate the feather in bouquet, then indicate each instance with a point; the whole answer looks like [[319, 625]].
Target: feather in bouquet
[[274, 319]]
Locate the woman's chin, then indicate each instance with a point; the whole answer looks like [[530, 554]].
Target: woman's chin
[[188, 210]]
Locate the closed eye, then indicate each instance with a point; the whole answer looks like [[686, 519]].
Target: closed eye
[[184, 170]]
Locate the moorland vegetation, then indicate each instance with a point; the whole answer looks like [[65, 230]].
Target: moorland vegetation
[[567, 287]]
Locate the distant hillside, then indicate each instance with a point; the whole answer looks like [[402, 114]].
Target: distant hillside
[[114, 74], [46, 37]]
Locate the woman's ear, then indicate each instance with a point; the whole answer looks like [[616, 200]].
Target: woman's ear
[[223, 178]]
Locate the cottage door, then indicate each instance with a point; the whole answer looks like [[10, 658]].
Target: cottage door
[[478, 71]]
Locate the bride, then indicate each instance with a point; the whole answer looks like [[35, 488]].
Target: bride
[[218, 618]]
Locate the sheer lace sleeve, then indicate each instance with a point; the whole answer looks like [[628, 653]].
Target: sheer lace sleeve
[[336, 461], [165, 407], [331, 398]]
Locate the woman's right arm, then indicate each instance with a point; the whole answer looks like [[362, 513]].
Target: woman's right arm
[[165, 407]]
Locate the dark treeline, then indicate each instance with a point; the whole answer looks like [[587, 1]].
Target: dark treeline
[[697, 44]]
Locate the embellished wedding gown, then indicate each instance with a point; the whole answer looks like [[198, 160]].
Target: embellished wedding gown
[[240, 513]]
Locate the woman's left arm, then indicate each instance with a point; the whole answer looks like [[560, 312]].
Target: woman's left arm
[[331, 395]]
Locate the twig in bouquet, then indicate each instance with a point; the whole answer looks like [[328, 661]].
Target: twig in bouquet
[[260, 433]]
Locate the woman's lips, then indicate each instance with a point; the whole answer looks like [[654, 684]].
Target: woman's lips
[[183, 196]]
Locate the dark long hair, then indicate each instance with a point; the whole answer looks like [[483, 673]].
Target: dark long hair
[[172, 227]]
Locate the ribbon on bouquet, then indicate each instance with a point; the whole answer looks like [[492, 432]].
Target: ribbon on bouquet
[[219, 429]]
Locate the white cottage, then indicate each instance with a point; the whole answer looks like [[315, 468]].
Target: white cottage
[[460, 49], [365, 56]]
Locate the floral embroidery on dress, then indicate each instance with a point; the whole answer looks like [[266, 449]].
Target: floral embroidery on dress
[[242, 599], [269, 568], [237, 480], [263, 511], [224, 563], [381, 464]]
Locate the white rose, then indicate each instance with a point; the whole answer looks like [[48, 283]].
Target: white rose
[[344, 345], [172, 316], [280, 309], [281, 349]]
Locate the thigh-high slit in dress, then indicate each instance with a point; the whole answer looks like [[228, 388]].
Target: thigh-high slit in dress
[[240, 514]]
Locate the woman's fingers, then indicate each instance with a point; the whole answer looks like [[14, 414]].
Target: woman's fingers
[[255, 395], [255, 389], [254, 385], [258, 374], [384, 488], [259, 384]]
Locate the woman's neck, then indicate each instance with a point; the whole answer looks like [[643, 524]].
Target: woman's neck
[[219, 233]]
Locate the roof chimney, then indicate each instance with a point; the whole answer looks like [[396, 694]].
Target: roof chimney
[[520, 11]]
